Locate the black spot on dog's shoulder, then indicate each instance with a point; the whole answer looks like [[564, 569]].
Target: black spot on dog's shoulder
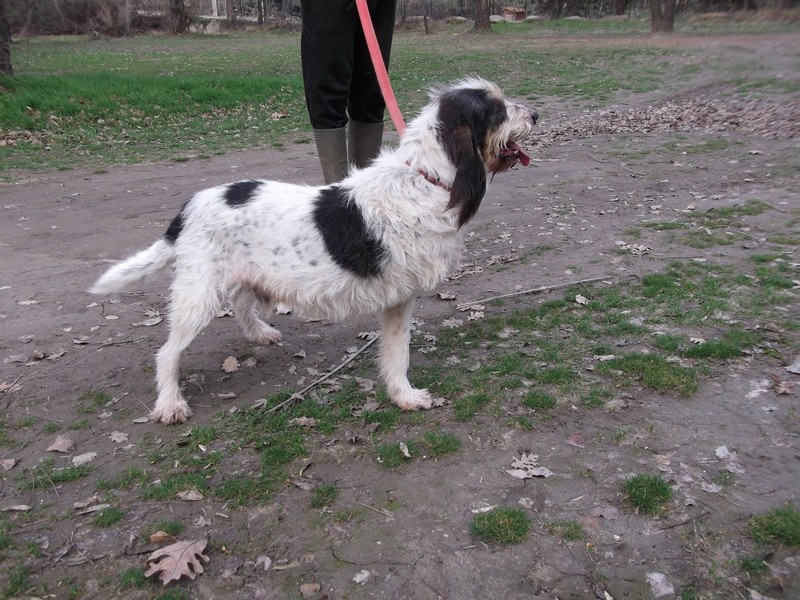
[[239, 193], [175, 227], [351, 245]]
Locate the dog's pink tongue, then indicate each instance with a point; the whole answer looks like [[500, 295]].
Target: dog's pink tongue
[[524, 157]]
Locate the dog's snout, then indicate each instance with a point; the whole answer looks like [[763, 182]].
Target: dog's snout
[[534, 116]]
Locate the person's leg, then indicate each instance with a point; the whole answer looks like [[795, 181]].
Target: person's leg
[[326, 50], [366, 105]]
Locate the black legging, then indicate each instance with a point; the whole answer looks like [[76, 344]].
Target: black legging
[[337, 71]]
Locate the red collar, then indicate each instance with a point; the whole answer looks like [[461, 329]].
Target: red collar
[[431, 179]]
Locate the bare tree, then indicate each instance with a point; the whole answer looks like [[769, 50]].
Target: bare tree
[[662, 16], [229, 12], [483, 11], [5, 42]]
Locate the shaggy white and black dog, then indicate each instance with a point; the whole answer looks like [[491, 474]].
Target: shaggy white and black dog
[[368, 244]]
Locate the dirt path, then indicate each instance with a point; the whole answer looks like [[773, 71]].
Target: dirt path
[[407, 535]]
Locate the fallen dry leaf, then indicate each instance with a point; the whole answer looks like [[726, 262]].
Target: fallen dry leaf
[[230, 365], [119, 437], [85, 458], [176, 560], [309, 589], [362, 576], [8, 463], [87, 510], [404, 450], [16, 508], [577, 440], [161, 537], [581, 300], [527, 466], [190, 495], [303, 422], [782, 387], [62, 444]]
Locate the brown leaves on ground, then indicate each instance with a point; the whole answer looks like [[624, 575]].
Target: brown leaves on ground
[[176, 560]]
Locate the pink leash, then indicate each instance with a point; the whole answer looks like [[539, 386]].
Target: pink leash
[[380, 67]]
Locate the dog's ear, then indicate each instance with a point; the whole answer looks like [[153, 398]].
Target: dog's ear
[[469, 185], [466, 118]]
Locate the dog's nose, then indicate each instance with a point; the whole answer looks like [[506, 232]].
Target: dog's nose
[[534, 116]]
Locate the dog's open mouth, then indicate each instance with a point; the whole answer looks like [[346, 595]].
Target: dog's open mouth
[[514, 152]]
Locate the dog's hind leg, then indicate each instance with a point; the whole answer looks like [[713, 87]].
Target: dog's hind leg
[[246, 301], [394, 357], [194, 302]]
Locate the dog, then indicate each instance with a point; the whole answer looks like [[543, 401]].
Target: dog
[[368, 244]]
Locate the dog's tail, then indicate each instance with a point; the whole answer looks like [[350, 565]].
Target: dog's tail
[[135, 269]]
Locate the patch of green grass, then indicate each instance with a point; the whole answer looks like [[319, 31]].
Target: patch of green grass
[[170, 527], [324, 495], [750, 208], [241, 491], [725, 478], [778, 526], [754, 566], [51, 428], [46, 475], [666, 225], [653, 372], [33, 549], [647, 493], [80, 424], [437, 443], [669, 343], [169, 487], [765, 258], [502, 526], [132, 477], [91, 401], [25, 422], [539, 401], [391, 455], [774, 277], [595, 397], [133, 578], [108, 517], [17, 582], [467, 407], [732, 345], [566, 530]]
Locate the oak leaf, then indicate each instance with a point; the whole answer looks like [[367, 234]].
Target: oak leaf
[[176, 560]]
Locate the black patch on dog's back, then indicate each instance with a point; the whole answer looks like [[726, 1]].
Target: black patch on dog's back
[[175, 227], [239, 193], [346, 237]]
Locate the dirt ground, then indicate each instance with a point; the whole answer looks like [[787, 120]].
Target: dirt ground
[[585, 192]]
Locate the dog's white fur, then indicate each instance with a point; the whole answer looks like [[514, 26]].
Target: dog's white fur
[[269, 249]]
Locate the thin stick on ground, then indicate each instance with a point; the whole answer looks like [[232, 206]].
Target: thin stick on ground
[[465, 305], [299, 395]]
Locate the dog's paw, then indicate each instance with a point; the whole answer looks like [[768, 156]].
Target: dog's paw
[[171, 415], [415, 399], [267, 335]]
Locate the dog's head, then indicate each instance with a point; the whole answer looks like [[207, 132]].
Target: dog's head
[[481, 133]]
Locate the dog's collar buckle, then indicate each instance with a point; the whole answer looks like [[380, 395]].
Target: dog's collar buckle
[[430, 178]]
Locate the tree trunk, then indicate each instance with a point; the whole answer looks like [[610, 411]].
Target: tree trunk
[[229, 12], [482, 14], [662, 16], [127, 16], [5, 42]]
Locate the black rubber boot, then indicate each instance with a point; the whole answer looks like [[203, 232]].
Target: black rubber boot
[[332, 152], [363, 142]]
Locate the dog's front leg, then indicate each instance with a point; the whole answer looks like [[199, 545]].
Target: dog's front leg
[[394, 356]]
